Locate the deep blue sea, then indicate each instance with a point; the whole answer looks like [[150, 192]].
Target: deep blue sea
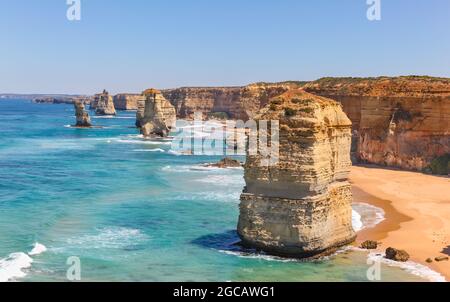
[[129, 209]]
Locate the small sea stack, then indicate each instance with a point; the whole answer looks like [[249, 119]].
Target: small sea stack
[[156, 116], [103, 104], [301, 206], [82, 116]]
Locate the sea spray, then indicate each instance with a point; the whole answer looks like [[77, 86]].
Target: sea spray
[[12, 267], [38, 249]]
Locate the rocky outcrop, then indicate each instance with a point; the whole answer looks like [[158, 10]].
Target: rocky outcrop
[[397, 255], [155, 116], [400, 122], [301, 206], [232, 102], [103, 104], [83, 119], [127, 101], [226, 163], [369, 245]]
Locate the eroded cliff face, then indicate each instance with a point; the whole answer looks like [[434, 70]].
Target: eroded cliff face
[[400, 122], [127, 101], [156, 116], [300, 207], [239, 103], [103, 104]]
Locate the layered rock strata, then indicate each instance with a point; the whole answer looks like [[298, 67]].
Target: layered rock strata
[[300, 207], [400, 122], [155, 116], [103, 104], [239, 103], [127, 101], [82, 117]]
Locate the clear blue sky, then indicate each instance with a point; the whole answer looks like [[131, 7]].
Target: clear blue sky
[[129, 45]]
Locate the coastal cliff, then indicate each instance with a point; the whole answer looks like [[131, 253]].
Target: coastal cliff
[[300, 207], [399, 122], [229, 102], [155, 116], [127, 101]]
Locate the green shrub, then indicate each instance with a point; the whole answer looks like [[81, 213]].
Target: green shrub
[[289, 112], [441, 165], [276, 102], [218, 115]]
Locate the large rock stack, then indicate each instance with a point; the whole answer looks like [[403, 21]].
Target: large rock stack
[[83, 119], [300, 207], [155, 116], [103, 104]]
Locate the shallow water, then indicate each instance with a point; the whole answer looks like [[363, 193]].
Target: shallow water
[[129, 209]]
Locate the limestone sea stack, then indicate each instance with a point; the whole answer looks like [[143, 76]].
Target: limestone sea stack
[[104, 104], [155, 116], [300, 207], [83, 119]]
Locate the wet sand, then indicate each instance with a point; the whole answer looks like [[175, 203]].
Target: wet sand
[[417, 208]]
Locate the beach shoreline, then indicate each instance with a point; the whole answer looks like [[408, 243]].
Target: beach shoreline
[[417, 215]]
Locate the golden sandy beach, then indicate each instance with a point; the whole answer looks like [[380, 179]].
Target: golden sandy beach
[[417, 210]]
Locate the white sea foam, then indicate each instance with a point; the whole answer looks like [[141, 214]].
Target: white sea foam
[[357, 221], [222, 180], [142, 142], [176, 153], [260, 256], [38, 249], [416, 269], [13, 266], [113, 117], [135, 136], [199, 168], [149, 150], [366, 216], [110, 238]]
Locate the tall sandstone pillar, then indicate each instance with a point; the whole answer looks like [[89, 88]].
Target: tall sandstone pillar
[[300, 207], [104, 104], [156, 116]]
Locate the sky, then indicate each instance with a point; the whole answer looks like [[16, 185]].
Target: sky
[[130, 45]]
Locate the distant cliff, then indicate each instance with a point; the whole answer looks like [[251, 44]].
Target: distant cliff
[[230, 102], [127, 101], [400, 122]]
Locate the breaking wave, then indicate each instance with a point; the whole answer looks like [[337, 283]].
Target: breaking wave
[[14, 266]]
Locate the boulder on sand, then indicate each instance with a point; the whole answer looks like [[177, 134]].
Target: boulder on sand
[[397, 255]]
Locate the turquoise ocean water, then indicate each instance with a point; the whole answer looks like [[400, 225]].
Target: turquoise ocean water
[[128, 208]]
